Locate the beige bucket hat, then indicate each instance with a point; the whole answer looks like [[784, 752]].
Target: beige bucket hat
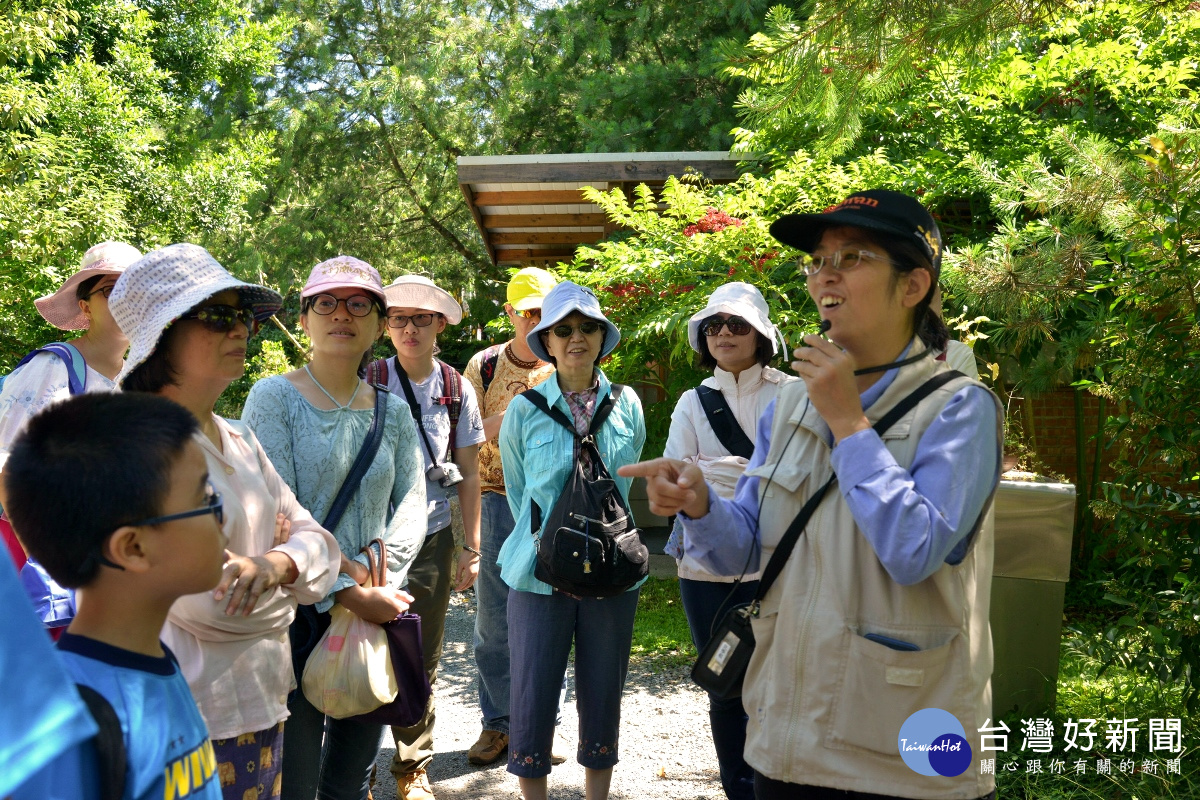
[[61, 309], [417, 291]]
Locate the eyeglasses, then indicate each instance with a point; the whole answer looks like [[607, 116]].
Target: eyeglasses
[[104, 290], [841, 262], [212, 505], [531, 313], [586, 328], [420, 320], [223, 318], [712, 326], [358, 305]]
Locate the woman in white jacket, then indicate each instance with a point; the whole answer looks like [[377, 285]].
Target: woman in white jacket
[[735, 339]]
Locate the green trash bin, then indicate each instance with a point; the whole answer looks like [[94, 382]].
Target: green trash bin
[[1033, 562]]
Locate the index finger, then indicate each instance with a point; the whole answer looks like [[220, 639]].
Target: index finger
[[666, 467]]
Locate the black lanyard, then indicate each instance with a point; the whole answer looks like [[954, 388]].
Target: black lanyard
[[415, 408]]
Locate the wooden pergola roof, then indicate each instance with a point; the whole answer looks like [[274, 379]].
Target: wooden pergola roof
[[530, 209]]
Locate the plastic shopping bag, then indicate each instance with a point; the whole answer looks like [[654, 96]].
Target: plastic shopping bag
[[350, 671]]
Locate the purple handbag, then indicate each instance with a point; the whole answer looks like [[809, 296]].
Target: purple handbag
[[408, 662]]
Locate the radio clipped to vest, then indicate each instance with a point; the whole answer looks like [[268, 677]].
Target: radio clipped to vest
[[588, 545]]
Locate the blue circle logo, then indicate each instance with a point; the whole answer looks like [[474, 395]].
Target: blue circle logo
[[933, 742]]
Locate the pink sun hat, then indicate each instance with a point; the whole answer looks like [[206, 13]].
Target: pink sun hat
[[344, 272], [61, 309]]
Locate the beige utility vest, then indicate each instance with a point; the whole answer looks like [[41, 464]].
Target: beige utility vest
[[826, 704]]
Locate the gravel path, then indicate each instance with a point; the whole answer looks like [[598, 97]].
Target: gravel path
[[666, 750]]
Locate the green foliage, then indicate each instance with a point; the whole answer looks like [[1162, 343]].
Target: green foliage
[[103, 135], [652, 279], [604, 76], [660, 632]]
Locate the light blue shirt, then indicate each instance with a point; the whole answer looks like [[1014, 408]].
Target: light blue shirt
[[538, 456], [43, 722], [313, 449], [915, 519]]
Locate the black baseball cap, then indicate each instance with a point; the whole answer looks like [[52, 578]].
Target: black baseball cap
[[874, 210]]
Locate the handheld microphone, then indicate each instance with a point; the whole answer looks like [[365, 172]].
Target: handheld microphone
[[825, 326]]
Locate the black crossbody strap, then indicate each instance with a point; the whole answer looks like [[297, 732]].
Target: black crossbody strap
[[784, 549], [724, 425], [362, 462], [414, 408]]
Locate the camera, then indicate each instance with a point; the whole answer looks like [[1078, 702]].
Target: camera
[[446, 475]]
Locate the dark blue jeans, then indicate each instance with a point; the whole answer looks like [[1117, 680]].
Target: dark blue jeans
[[541, 629], [705, 603], [326, 758]]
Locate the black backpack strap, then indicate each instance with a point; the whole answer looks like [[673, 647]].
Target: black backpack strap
[[487, 366], [724, 425], [110, 743], [603, 409], [554, 413], [792, 535]]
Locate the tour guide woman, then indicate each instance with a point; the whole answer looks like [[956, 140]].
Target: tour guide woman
[[188, 322], [537, 454], [882, 609]]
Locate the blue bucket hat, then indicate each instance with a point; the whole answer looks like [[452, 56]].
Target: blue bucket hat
[[558, 304]]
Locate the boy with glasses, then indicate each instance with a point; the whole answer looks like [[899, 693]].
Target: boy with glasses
[[498, 374], [111, 494]]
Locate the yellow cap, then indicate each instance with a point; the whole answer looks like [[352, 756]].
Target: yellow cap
[[528, 287]]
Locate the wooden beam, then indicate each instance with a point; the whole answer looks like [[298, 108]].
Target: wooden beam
[[543, 220], [545, 238], [549, 197], [721, 170], [467, 195], [517, 255]]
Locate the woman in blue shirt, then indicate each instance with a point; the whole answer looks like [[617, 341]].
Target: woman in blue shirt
[[881, 610], [312, 423], [538, 456]]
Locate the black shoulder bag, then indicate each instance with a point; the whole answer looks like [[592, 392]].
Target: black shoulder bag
[[588, 546], [721, 665], [309, 626], [724, 425]]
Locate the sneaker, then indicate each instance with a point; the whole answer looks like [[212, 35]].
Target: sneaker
[[557, 758], [488, 748], [414, 786]]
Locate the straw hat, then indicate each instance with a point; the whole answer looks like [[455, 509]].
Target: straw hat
[[164, 285], [61, 309]]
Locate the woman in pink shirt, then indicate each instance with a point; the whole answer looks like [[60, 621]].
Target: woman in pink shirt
[[188, 323]]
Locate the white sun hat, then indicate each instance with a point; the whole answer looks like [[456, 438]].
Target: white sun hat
[[740, 300], [558, 304], [164, 285], [417, 291], [61, 309]]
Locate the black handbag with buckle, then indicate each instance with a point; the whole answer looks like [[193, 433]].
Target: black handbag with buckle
[[589, 546]]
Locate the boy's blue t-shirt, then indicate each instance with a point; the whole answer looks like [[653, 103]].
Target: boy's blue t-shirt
[[166, 742]]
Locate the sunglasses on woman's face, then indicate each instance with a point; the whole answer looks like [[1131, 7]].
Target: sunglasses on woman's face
[[223, 318], [586, 328], [106, 291], [712, 326]]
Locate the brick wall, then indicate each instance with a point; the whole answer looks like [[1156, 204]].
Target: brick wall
[[1054, 437]]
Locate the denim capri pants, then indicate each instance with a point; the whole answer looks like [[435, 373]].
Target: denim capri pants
[[541, 629]]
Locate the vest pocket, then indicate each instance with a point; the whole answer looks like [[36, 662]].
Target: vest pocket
[[881, 687]]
